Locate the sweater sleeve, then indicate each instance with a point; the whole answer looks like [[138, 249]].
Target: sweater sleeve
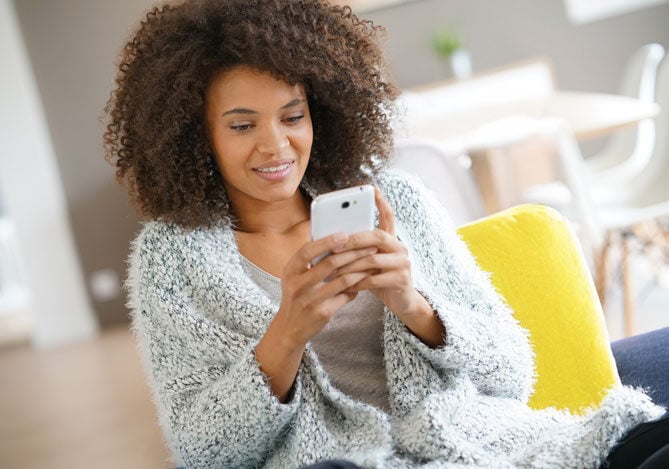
[[214, 403], [483, 339]]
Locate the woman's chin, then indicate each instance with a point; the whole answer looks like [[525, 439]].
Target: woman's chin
[[279, 192]]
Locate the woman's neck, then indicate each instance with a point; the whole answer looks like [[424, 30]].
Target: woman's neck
[[255, 216]]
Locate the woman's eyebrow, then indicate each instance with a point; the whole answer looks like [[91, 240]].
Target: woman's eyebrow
[[294, 102], [241, 110]]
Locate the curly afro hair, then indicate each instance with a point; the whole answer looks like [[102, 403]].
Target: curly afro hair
[[156, 133]]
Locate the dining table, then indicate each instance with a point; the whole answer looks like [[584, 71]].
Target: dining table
[[587, 114]]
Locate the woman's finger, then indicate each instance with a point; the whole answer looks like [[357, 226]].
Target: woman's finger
[[385, 241], [380, 281], [376, 262], [335, 261], [301, 282], [386, 217], [337, 286], [301, 260]]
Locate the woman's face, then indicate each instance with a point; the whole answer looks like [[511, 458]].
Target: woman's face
[[261, 134]]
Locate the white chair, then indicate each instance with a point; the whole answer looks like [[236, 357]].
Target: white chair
[[647, 195], [628, 153], [644, 202], [445, 173]]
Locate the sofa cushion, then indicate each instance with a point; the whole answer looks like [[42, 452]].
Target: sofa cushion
[[537, 265]]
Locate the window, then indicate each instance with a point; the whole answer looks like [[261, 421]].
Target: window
[[585, 11]]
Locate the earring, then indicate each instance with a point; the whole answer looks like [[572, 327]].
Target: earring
[[212, 165], [308, 188]]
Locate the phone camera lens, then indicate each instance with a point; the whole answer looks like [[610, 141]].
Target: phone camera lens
[[345, 205]]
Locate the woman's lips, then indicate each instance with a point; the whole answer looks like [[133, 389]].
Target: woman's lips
[[275, 171]]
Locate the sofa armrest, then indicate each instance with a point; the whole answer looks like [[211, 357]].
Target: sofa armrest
[[537, 265]]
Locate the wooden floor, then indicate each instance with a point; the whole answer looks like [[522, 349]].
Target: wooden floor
[[83, 406]]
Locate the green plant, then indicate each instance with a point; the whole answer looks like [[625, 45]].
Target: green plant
[[445, 42]]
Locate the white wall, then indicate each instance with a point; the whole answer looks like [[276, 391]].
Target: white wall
[[33, 197], [73, 46]]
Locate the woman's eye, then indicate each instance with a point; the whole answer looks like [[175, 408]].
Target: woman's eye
[[241, 127], [294, 119]]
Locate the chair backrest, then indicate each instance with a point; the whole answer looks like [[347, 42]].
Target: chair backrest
[[630, 150], [639, 77], [443, 172], [652, 185]]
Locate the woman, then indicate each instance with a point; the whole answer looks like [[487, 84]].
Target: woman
[[394, 351]]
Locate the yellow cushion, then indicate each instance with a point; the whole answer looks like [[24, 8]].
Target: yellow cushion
[[538, 267]]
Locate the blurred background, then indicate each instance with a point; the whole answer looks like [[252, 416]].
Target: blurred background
[[72, 393]]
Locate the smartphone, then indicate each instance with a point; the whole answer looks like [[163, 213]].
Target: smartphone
[[347, 211]]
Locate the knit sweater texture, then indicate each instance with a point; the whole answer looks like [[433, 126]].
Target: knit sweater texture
[[197, 318]]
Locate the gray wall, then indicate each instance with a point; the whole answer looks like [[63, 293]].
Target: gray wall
[[73, 43], [588, 57]]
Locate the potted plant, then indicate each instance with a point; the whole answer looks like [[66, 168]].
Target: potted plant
[[448, 47]]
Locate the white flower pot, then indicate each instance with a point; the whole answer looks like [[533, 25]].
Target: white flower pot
[[461, 64]]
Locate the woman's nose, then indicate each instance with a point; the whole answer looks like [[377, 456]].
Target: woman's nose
[[273, 140]]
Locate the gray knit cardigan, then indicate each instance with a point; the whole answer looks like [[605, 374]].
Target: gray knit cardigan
[[197, 318]]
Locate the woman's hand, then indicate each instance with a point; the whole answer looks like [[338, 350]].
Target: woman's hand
[[390, 276], [310, 297]]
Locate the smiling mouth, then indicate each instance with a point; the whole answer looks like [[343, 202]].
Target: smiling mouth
[[274, 169]]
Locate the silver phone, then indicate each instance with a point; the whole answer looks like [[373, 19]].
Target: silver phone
[[347, 211]]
